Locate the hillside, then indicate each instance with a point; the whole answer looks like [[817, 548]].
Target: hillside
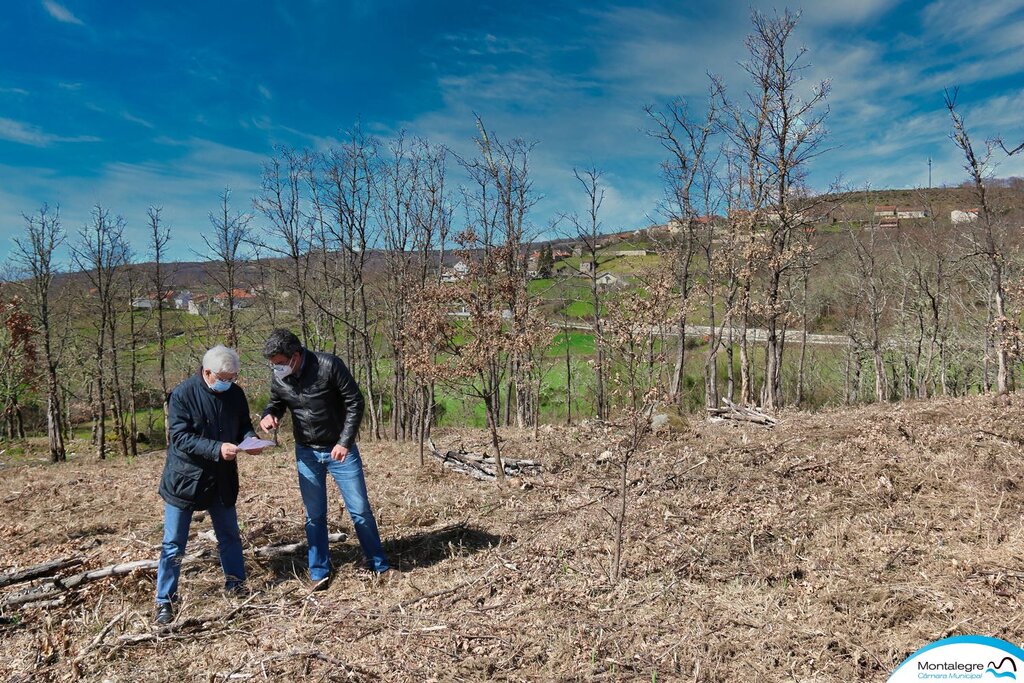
[[827, 549], [855, 205]]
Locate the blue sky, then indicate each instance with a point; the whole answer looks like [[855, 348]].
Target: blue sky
[[142, 103]]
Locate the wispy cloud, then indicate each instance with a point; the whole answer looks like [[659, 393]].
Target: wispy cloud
[[27, 134], [265, 92], [128, 116], [844, 12], [61, 13], [487, 44], [950, 20]]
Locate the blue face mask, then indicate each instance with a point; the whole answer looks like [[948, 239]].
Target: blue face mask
[[221, 385]]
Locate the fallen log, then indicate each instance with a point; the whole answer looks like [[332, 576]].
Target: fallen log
[[55, 586], [20, 599], [39, 571], [119, 569]]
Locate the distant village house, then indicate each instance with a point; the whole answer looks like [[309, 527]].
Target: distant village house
[[239, 298], [608, 279], [149, 302], [458, 272], [890, 216], [199, 305]]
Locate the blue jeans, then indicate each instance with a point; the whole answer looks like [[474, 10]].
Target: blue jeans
[[313, 465], [176, 525]]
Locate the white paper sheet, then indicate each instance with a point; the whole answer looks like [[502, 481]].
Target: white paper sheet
[[252, 443]]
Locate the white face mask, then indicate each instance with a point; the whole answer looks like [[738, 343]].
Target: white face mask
[[282, 371]]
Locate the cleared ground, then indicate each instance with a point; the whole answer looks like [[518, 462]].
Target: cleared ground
[[828, 549]]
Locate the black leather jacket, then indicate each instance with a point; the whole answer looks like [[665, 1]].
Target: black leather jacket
[[325, 401], [199, 421]]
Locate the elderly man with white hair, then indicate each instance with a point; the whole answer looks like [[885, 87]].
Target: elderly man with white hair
[[207, 418]]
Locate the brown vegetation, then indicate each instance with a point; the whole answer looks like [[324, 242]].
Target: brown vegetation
[[826, 549]]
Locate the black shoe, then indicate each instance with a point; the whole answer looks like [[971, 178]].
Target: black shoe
[[164, 614], [236, 590]]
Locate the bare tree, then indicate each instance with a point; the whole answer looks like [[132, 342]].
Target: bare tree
[[432, 212], [397, 188], [688, 176], [469, 354], [225, 249], [99, 253], [290, 235], [872, 290], [34, 254], [587, 233], [779, 130], [351, 178], [160, 236], [987, 239], [633, 318], [499, 208], [119, 303]]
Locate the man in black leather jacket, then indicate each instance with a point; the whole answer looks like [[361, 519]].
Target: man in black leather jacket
[[327, 408]]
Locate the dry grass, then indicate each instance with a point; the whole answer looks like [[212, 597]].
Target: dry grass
[[826, 550]]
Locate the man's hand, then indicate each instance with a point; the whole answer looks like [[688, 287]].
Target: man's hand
[[339, 453], [228, 451], [269, 423]]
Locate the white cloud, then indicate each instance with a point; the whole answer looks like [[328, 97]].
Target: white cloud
[[61, 13], [264, 92], [27, 134]]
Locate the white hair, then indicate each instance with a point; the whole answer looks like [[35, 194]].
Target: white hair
[[221, 359]]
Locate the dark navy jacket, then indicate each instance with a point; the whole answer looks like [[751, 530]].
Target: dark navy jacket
[[199, 420]]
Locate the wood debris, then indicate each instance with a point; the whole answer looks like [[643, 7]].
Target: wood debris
[[482, 467], [741, 413]]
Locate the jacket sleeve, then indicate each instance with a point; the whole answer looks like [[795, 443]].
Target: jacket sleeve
[[244, 419], [276, 406], [183, 433], [353, 400]]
